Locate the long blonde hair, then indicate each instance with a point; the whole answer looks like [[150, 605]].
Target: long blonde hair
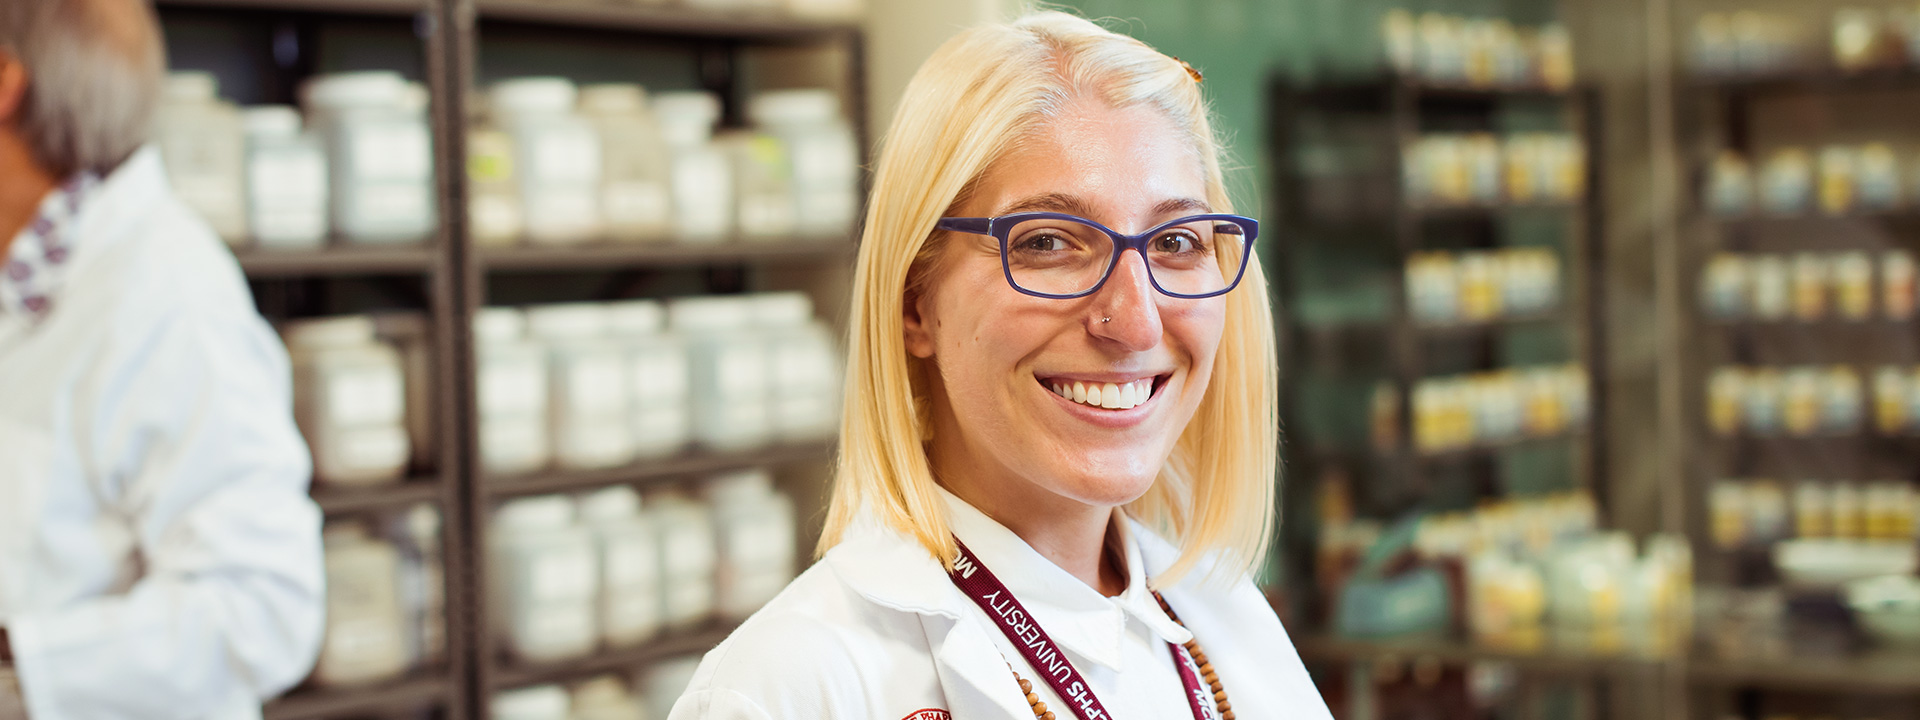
[[977, 96]]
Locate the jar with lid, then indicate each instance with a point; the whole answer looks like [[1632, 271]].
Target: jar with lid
[[589, 411], [286, 180], [731, 404], [407, 332], [762, 182], [687, 559], [702, 180], [1786, 183], [635, 191], [1853, 285], [545, 579], [1897, 271], [825, 157], [1891, 388], [423, 599], [494, 214], [658, 376], [755, 528], [629, 547], [557, 154], [512, 387], [540, 702], [379, 152], [606, 698], [349, 399], [203, 146], [806, 379], [364, 641]]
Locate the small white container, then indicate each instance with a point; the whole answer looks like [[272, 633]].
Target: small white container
[[630, 596], [659, 378], [286, 180], [588, 411], [635, 192], [540, 702], [688, 558], [380, 154], [408, 333], [824, 152], [805, 366], [203, 146], [731, 399], [349, 400], [558, 158], [606, 698], [763, 186], [755, 530], [494, 214], [545, 579], [423, 599], [512, 394], [366, 628], [703, 185]]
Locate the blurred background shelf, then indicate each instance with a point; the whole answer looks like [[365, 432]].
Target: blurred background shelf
[[403, 696], [336, 261], [1329, 648], [355, 7], [335, 501], [511, 675], [763, 26], [693, 464], [635, 255]]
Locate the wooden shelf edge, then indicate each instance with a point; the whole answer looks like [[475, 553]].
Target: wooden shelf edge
[[604, 255], [512, 675], [655, 470], [338, 501], [356, 7], [664, 19], [327, 703], [412, 259]]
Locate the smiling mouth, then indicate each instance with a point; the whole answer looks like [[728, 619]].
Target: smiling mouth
[[1107, 396]]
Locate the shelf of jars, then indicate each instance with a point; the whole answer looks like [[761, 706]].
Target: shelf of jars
[[346, 500], [1564, 657], [355, 7], [1754, 52], [413, 693], [638, 255], [665, 469], [695, 641], [767, 23]]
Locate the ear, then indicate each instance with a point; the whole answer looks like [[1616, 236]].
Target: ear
[[919, 323], [13, 86]]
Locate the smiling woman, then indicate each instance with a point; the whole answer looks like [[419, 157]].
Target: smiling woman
[[1058, 461]]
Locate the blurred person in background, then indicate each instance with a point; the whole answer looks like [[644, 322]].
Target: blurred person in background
[[159, 557]]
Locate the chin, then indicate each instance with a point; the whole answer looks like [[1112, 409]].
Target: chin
[[1114, 482]]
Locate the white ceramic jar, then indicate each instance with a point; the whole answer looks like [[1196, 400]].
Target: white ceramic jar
[[606, 698], [286, 180], [423, 598], [539, 702], [730, 399], [763, 186], [558, 158], [825, 157], [588, 396], [635, 192], [366, 628], [545, 579], [687, 559], [203, 146], [658, 377], [349, 399], [702, 185], [754, 527], [380, 155], [408, 333], [512, 385], [494, 214], [804, 361], [629, 603]]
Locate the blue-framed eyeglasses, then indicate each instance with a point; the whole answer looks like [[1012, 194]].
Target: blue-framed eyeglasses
[[1061, 256]]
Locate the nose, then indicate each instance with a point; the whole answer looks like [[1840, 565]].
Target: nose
[[1126, 311]]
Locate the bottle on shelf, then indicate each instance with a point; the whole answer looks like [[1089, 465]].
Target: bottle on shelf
[[415, 534], [732, 408], [203, 143], [606, 698], [825, 157], [687, 559], [658, 377], [545, 580], [494, 213], [512, 384], [635, 192], [409, 334], [762, 182], [286, 180], [349, 401], [629, 549], [539, 702], [805, 386], [380, 153], [557, 155], [755, 530], [366, 627], [703, 183], [589, 413]]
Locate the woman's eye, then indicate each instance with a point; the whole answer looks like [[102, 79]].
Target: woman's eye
[[1043, 242], [1176, 243]]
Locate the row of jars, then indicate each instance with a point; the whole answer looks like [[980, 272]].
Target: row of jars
[[1482, 286], [1483, 169], [386, 598], [1749, 42], [1479, 52], [1482, 409], [646, 694], [552, 164], [571, 575], [594, 385], [1809, 400], [813, 9], [1749, 511], [358, 165], [1841, 180], [1809, 287]]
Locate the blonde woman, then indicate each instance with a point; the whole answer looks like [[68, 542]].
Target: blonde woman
[[1057, 464]]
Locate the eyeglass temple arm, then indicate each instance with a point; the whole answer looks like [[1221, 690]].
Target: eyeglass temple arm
[[977, 226]]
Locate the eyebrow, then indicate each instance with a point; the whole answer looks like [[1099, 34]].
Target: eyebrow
[[1072, 205]]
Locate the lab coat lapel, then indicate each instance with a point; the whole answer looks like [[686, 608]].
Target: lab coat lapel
[[974, 676]]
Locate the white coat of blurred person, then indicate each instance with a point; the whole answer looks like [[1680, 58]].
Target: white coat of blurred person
[[159, 557]]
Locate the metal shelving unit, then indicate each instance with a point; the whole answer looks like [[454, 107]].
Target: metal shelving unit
[[446, 279]]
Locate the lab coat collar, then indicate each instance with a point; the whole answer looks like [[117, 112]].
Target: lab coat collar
[[81, 218]]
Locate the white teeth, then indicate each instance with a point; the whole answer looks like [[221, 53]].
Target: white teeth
[[1112, 396]]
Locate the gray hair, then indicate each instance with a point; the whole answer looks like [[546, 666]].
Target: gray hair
[[95, 70]]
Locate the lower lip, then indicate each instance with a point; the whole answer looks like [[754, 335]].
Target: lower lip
[[1103, 417]]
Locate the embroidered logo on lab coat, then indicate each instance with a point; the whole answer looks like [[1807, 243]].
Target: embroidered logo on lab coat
[[929, 714]]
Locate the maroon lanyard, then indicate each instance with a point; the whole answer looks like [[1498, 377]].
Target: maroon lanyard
[[1042, 654]]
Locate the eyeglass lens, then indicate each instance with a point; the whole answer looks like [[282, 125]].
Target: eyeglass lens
[[1065, 257]]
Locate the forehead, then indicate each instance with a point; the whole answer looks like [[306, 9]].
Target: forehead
[[1108, 158]]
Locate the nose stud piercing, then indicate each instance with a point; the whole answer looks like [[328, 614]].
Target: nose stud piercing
[[1106, 320]]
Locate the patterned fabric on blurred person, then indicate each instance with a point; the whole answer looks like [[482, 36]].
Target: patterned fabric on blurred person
[[38, 259]]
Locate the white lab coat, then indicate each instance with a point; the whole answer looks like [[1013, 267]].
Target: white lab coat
[[877, 630], [159, 557]]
